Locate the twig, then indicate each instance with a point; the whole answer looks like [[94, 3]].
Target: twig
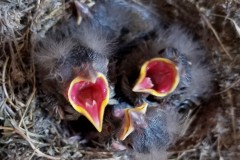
[[219, 146], [4, 84], [54, 12], [189, 120], [230, 19], [7, 128], [18, 49], [28, 135], [185, 152], [96, 152], [39, 153], [231, 86], [28, 9], [4, 78], [216, 35], [236, 1], [27, 105], [33, 154], [115, 158], [232, 115]]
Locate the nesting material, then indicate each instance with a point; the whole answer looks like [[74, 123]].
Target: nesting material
[[28, 131]]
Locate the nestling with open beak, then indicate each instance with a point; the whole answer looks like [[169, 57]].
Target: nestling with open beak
[[143, 74], [196, 72], [71, 63], [147, 128], [134, 118], [170, 63], [158, 76]]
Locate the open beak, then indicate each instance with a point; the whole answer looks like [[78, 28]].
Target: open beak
[[158, 77], [90, 98], [132, 118]]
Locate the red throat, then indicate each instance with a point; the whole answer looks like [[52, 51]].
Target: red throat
[[158, 76], [90, 99]]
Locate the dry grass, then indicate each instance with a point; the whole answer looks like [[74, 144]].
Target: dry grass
[[27, 130]]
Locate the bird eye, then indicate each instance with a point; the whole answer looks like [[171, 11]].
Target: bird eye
[[161, 51], [129, 145], [124, 31], [59, 78], [182, 88]]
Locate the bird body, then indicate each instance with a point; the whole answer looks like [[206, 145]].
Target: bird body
[[144, 128], [196, 84], [72, 64], [176, 44], [115, 44], [162, 128]]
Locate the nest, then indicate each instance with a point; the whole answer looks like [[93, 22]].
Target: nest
[[28, 132]]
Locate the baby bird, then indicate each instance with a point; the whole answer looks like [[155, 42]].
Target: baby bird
[[161, 129], [144, 128], [71, 63], [189, 82]]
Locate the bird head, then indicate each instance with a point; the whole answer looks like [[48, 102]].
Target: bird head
[[158, 77], [88, 93], [133, 119]]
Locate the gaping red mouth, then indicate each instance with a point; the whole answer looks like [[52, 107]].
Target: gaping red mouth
[[158, 77], [90, 99]]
